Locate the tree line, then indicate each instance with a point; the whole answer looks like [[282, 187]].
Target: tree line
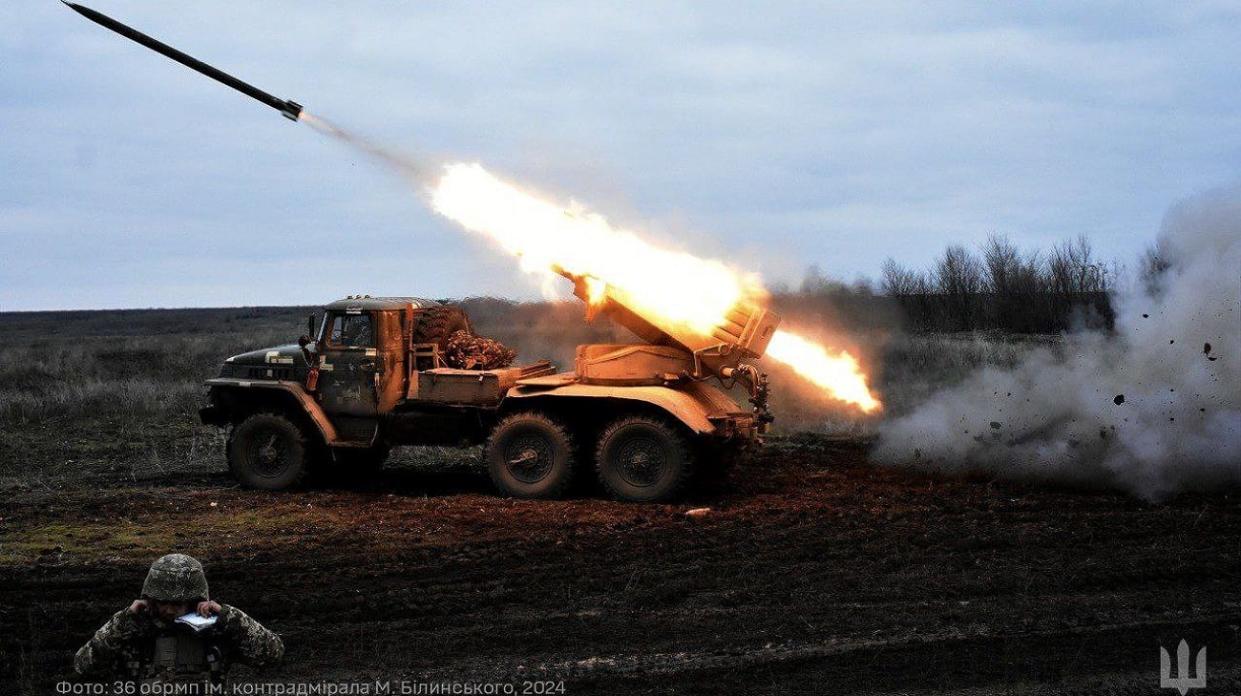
[[993, 287]]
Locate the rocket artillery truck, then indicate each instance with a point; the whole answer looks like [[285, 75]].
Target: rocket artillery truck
[[650, 418]]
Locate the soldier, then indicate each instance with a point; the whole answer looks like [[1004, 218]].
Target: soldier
[[175, 633]]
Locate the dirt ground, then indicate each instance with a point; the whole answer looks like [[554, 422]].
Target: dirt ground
[[813, 572]]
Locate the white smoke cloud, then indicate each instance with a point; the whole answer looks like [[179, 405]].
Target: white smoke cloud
[[1153, 409]]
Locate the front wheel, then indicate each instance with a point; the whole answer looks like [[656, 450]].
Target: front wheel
[[529, 455], [267, 451], [643, 459]]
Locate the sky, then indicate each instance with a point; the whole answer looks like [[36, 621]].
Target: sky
[[772, 135]]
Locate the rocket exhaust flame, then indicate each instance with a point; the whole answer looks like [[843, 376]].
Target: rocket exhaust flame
[[839, 375], [695, 293]]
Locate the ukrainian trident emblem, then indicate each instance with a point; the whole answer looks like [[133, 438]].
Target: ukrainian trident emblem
[[1182, 682]]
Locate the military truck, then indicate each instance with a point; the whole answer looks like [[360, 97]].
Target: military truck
[[370, 375]]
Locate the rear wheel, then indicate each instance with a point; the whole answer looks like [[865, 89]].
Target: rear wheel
[[643, 459], [268, 451], [529, 455]]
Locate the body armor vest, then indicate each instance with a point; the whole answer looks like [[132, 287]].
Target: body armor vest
[[177, 654]]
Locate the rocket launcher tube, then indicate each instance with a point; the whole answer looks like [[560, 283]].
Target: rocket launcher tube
[[745, 332]]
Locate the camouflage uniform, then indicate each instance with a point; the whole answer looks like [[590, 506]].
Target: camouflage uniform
[[466, 351], [144, 647]]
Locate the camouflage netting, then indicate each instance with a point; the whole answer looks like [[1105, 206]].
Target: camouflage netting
[[466, 351]]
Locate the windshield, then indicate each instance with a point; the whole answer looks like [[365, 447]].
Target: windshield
[[350, 331]]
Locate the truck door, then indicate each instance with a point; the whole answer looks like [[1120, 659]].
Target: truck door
[[347, 370]]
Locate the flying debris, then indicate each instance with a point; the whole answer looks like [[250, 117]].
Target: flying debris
[[291, 109]]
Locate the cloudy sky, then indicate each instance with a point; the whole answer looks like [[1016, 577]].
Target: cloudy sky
[[774, 135]]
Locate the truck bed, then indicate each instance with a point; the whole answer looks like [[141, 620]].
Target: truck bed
[[448, 385]]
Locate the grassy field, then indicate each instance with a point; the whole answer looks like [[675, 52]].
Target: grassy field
[[85, 393]]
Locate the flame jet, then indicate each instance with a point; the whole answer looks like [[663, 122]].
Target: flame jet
[[291, 109]]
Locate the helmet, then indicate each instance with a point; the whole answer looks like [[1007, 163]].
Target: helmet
[[175, 578]]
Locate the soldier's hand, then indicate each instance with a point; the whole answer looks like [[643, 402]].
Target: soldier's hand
[[208, 608], [139, 606]]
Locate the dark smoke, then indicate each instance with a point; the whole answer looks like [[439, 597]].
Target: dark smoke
[[1153, 409]]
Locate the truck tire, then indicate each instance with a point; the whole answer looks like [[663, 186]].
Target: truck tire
[[643, 459], [529, 455], [268, 451], [436, 324]]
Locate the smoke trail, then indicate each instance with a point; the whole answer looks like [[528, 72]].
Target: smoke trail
[[1154, 409], [403, 164]]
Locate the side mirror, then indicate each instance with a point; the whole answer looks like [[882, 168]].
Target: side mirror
[[310, 326]]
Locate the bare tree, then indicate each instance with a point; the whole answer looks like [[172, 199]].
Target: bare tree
[[922, 284], [1030, 276], [897, 280], [958, 276], [1074, 268], [957, 271], [1030, 286], [1078, 281], [1060, 269], [1002, 264]]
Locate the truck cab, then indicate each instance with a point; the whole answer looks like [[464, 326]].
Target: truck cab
[[371, 374]]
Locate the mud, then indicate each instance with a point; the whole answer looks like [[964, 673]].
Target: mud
[[813, 572]]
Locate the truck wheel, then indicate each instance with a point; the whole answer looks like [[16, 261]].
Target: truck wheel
[[530, 456], [643, 459], [267, 451]]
